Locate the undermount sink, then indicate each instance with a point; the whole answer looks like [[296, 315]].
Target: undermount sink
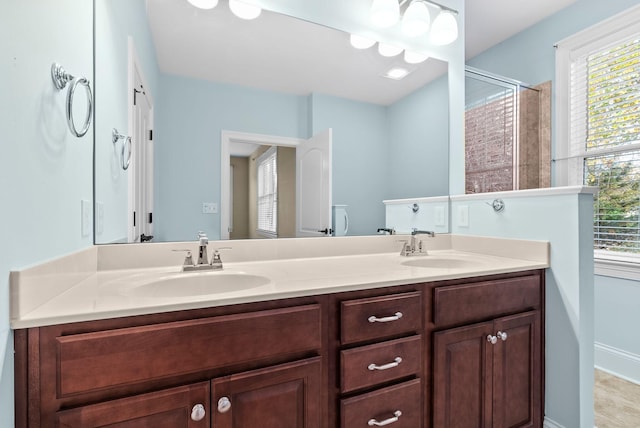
[[440, 262], [197, 284]]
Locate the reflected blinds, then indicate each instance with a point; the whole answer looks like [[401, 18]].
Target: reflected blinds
[[268, 192]]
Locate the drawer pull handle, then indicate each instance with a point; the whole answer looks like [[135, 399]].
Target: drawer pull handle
[[502, 335], [396, 362], [395, 317], [395, 418], [492, 339], [198, 412]]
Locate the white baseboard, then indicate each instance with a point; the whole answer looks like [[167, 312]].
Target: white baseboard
[[548, 423], [617, 362]]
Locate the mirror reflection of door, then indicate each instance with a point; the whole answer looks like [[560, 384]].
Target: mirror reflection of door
[[140, 171], [277, 187]]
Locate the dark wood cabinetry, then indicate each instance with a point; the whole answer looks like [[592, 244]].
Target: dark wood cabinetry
[[490, 374], [414, 356]]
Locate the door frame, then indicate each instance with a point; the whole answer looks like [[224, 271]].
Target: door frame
[[134, 66], [226, 139]]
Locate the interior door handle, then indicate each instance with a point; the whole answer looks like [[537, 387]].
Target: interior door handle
[[326, 231]]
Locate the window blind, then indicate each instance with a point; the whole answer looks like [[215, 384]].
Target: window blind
[[267, 176], [605, 135]]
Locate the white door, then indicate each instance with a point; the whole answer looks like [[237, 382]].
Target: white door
[[313, 186], [141, 165]]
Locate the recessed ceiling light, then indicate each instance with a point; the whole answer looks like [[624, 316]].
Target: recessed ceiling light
[[204, 4], [396, 73], [360, 42]]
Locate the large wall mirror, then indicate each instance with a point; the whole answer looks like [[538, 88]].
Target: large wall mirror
[[206, 97]]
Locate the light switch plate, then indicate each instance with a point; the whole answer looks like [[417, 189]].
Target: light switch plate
[[463, 216], [86, 217], [99, 218], [209, 208]]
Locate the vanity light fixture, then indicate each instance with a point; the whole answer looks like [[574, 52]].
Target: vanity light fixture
[[244, 10], [417, 19], [396, 73], [445, 28], [411, 57], [204, 4], [361, 42], [386, 49]]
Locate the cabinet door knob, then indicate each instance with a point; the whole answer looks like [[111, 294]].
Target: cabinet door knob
[[502, 335], [224, 405], [492, 339], [395, 418], [198, 413], [395, 363], [395, 317]]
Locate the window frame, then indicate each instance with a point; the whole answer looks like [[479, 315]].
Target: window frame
[[569, 165]]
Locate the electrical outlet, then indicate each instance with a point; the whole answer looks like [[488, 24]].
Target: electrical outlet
[[463, 216], [209, 208], [86, 217]]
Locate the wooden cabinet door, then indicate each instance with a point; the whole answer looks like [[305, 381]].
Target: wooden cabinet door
[[171, 408], [463, 359], [284, 396], [517, 371]]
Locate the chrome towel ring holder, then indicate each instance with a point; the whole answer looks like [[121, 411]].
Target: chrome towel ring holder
[[60, 79], [115, 137]]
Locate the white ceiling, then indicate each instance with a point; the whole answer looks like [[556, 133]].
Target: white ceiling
[[278, 53]]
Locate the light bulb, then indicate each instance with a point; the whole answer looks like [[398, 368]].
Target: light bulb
[[385, 13], [444, 29], [204, 4], [360, 42], [386, 49], [416, 19], [415, 57], [244, 10]]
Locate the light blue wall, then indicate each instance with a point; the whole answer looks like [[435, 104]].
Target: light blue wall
[[116, 20], [566, 222], [190, 114], [359, 161], [44, 171], [418, 148], [530, 57]]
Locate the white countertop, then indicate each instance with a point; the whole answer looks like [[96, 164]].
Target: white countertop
[[100, 294]]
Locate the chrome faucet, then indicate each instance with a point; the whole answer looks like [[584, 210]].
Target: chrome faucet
[[202, 250], [409, 248], [203, 261]]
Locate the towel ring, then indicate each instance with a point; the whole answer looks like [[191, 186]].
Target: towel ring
[[115, 137], [60, 79]]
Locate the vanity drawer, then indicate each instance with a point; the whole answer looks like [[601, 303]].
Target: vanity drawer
[[402, 401], [370, 365], [94, 361], [378, 317], [458, 304]]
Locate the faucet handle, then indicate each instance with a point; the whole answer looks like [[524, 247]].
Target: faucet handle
[[188, 259]]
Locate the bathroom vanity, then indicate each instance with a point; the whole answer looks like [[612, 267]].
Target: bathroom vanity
[[462, 346]]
